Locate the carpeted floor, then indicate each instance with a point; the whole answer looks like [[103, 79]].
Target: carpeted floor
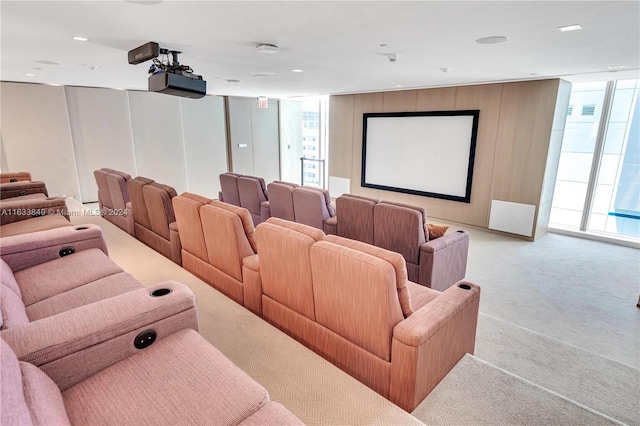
[[558, 339]]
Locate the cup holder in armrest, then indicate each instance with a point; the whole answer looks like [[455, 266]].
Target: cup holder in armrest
[[12, 180], [159, 292], [460, 231], [464, 286], [22, 193], [81, 228]]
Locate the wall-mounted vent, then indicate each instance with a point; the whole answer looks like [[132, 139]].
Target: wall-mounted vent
[[589, 109], [570, 110]]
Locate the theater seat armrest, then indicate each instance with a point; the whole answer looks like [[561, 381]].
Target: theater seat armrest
[[76, 344], [252, 284], [444, 241], [265, 210], [428, 344], [443, 260], [330, 225], [17, 209], [27, 250], [129, 207], [439, 314]]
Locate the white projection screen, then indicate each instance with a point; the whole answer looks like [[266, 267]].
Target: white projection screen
[[427, 153]]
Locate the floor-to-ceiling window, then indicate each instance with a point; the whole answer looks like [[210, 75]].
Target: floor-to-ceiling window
[[598, 184], [303, 143]]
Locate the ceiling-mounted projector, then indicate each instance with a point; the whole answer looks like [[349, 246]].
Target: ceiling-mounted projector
[[167, 75]]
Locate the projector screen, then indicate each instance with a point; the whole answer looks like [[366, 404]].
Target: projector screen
[[427, 153]]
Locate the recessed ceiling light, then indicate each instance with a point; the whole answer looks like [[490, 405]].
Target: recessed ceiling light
[[492, 40], [445, 69], [46, 62], [30, 75], [232, 81], [399, 85], [615, 67], [296, 70], [79, 38], [566, 28]]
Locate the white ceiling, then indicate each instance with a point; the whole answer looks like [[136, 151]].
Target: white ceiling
[[340, 45]]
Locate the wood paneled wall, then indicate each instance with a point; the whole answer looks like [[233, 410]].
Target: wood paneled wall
[[519, 122]]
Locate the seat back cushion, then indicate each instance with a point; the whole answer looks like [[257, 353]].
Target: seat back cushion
[[251, 194], [400, 229], [14, 313], [118, 190], [285, 267], [310, 207], [27, 396], [225, 238], [140, 214], [104, 196], [395, 259], [281, 200], [245, 218], [43, 397], [355, 218], [355, 296], [157, 198], [229, 188], [187, 212]]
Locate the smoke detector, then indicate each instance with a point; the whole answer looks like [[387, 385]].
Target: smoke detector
[[267, 48]]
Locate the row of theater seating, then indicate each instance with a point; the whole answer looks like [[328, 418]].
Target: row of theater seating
[[308, 205], [22, 199], [349, 301], [436, 261], [83, 342], [218, 244], [142, 207]]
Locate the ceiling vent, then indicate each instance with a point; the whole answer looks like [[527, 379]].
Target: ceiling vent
[[267, 48]]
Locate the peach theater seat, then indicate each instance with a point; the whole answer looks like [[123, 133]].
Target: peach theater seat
[[218, 246], [154, 218], [205, 387], [114, 199], [352, 303], [9, 177]]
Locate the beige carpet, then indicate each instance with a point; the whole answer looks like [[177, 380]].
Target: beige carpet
[[478, 393]]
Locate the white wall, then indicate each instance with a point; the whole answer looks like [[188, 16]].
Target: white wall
[[61, 139], [36, 136], [156, 121], [205, 142], [254, 134], [102, 136]]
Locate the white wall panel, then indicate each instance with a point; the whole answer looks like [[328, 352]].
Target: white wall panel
[[36, 136], [205, 141], [266, 141], [156, 121], [102, 136], [241, 137]]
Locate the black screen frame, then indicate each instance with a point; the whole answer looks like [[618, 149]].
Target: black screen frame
[[471, 160]]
